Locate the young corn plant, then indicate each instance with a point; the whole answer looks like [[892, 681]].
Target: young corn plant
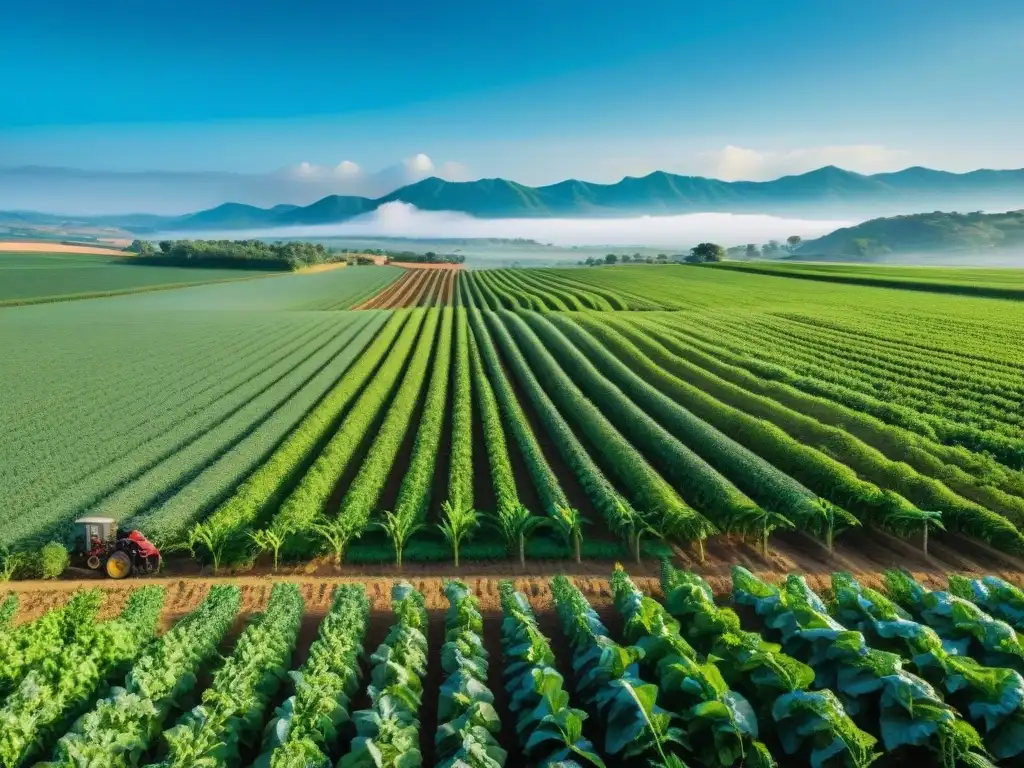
[[458, 524], [835, 519], [336, 535], [517, 525], [907, 522], [398, 529], [569, 523], [212, 536], [264, 539], [759, 523]]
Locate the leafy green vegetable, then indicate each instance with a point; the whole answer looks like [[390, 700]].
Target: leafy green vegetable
[[992, 698], [119, 730], [468, 722], [910, 712], [51, 696], [549, 730], [608, 680], [306, 727], [216, 733], [388, 732], [721, 727]]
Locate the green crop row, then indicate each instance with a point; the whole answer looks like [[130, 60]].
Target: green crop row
[[362, 495], [120, 729], [308, 500]]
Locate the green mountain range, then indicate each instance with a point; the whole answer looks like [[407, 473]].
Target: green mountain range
[[828, 192], [920, 233]]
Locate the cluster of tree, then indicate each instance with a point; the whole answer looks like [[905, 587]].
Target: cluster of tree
[[427, 258], [242, 254], [410, 257], [773, 249], [636, 258], [697, 255]]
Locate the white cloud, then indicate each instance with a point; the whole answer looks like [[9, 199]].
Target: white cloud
[[347, 168], [418, 165], [732, 163], [407, 221]]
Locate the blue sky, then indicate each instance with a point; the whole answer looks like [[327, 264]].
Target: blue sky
[[528, 89]]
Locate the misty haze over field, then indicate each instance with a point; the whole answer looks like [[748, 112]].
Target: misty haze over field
[[401, 220]]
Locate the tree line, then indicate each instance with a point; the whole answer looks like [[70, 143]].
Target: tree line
[[702, 253], [242, 254]]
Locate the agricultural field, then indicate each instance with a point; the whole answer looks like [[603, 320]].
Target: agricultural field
[[997, 283], [421, 286], [512, 416], [619, 671], [34, 277]]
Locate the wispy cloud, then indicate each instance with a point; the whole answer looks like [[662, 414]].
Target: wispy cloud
[[78, 192], [732, 163], [402, 220]]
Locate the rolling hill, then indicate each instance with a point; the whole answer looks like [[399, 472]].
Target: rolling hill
[[921, 233]]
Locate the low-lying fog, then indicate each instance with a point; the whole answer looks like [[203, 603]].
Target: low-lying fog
[[401, 220]]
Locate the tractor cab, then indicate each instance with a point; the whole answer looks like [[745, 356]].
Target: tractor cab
[[102, 546]]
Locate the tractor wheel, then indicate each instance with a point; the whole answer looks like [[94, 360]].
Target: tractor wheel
[[93, 563], [119, 566]]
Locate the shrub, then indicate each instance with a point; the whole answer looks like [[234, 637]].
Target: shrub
[[53, 559]]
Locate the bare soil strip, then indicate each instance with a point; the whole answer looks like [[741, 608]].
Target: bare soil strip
[[23, 246]]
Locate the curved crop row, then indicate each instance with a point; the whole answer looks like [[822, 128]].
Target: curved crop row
[[494, 438], [119, 730], [388, 733], [226, 723], [812, 726], [264, 487], [770, 437], [602, 494], [307, 502], [362, 495], [549, 731], [751, 473], [467, 721], [552, 497], [460, 470], [414, 493], [700, 485], [304, 730], [650, 492]]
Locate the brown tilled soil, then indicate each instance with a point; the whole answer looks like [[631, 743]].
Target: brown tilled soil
[[866, 554], [418, 287], [24, 246]]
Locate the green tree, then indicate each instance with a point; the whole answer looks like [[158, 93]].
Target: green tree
[[793, 242], [662, 258], [705, 252], [752, 251], [611, 258]]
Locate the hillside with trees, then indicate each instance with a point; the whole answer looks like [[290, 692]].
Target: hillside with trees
[[920, 233]]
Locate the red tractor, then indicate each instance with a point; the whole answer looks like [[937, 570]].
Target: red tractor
[[104, 546]]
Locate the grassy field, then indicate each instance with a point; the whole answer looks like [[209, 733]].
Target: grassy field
[[739, 425], [662, 405], [995, 283], [29, 278]]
